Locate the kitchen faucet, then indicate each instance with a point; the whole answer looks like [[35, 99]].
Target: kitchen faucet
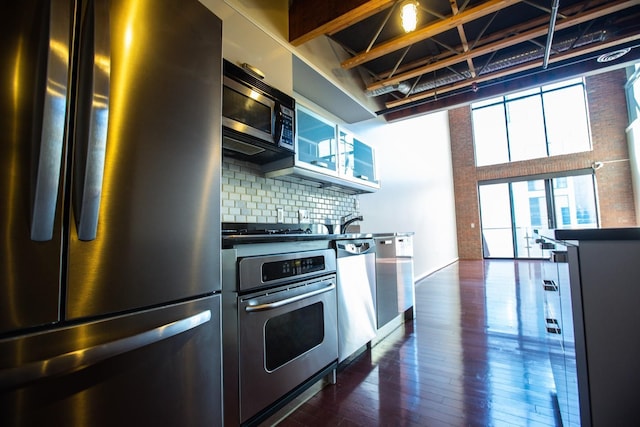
[[344, 222]]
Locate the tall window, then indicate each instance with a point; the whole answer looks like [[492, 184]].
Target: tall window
[[546, 121]]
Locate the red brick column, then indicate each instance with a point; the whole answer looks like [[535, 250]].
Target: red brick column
[[609, 119]]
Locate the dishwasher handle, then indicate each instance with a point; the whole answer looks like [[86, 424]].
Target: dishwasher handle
[[354, 247]]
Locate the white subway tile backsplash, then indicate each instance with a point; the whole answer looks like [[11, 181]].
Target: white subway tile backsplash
[[247, 196]]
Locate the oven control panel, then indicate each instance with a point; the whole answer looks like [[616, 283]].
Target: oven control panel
[[291, 268], [260, 271]]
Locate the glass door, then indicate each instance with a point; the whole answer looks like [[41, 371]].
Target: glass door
[[574, 202], [356, 157], [317, 143], [514, 213], [496, 222], [530, 214]]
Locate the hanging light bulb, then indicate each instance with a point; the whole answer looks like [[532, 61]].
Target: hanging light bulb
[[409, 15]]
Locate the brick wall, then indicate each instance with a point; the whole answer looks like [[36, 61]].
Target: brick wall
[[608, 120]]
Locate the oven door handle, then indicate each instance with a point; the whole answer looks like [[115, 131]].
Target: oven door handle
[[273, 305]]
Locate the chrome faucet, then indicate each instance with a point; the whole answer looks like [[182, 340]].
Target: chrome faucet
[[345, 222]]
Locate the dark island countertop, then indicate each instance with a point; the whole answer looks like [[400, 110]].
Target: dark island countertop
[[631, 233]]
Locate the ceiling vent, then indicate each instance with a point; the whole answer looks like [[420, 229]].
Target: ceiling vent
[[612, 56]]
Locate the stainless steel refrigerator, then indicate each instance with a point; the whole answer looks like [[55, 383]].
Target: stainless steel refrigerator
[[109, 213]]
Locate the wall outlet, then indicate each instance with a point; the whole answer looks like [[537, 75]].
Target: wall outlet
[[280, 215], [303, 216]]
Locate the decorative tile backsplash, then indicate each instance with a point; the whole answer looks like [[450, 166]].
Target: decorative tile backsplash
[[247, 196]]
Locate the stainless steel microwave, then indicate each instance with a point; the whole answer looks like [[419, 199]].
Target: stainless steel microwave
[[258, 120]]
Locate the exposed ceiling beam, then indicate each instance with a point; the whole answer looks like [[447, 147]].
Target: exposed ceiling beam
[[463, 37], [509, 40], [428, 31], [516, 83], [309, 19], [514, 70], [525, 26]]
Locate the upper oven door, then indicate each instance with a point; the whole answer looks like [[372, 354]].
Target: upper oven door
[[287, 335], [247, 111]]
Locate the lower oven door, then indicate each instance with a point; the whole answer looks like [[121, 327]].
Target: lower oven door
[[287, 335]]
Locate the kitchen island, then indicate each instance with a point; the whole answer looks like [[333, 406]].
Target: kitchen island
[[604, 266]]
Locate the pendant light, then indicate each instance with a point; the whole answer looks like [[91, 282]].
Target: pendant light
[[409, 15]]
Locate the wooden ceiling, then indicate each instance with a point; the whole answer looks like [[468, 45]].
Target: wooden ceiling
[[467, 50]]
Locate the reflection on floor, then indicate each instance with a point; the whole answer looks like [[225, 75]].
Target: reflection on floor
[[475, 355]]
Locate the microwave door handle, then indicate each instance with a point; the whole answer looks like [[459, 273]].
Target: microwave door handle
[[47, 173], [278, 124]]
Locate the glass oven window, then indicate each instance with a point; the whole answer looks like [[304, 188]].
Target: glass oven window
[[292, 334]]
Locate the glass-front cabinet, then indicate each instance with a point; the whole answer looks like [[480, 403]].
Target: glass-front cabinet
[[327, 156], [317, 143], [356, 158]]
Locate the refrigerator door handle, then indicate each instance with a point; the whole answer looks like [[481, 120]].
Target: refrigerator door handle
[[47, 173], [98, 54], [74, 360]]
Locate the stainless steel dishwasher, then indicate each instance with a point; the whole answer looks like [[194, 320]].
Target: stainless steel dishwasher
[[394, 277], [356, 267]]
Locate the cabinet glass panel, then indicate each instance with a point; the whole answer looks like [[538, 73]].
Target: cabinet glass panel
[[317, 143], [356, 158]]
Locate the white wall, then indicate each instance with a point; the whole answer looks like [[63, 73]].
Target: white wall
[[414, 157]]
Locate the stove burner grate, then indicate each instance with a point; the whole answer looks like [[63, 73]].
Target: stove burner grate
[[263, 231]]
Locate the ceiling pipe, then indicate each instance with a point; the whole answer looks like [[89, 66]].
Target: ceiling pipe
[[552, 29]]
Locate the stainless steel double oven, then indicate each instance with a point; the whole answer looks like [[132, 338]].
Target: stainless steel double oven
[[279, 326]]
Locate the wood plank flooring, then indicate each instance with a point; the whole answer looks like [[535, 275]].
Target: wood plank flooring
[[475, 355]]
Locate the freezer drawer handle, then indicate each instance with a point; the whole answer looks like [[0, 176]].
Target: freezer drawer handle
[[47, 173], [271, 306], [74, 360]]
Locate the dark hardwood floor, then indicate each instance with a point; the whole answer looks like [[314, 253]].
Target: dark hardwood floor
[[475, 355]]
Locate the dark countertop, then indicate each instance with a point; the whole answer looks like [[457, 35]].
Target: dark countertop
[[599, 234], [232, 240], [241, 239]]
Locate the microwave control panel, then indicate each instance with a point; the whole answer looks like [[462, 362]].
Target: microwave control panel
[[286, 121]]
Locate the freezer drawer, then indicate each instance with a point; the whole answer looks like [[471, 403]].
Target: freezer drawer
[[157, 367]]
